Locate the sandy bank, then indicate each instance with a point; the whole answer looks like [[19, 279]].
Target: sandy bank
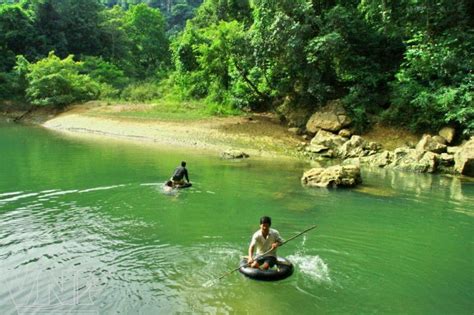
[[258, 135]]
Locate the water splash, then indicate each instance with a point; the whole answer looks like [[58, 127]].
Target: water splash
[[313, 266]]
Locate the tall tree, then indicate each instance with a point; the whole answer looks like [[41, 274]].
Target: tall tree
[[145, 28], [17, 35], [50, 26], [81, 20]]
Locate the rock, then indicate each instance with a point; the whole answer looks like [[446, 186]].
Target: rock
[[464, 159], [439, 139], [234, 154], [352, 161], [295, 116], [327, 139], [428, 162], [352, 148], [381, 159], [331, 117], [295, 130], [346, 133], [328, 154], [427, 143], [453, 150], [413, 160], [316, 148], [374, 146], [447, 133], [358, 147], [334, 176], [446, 159]]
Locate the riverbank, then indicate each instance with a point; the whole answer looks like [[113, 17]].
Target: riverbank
[[258, 134]]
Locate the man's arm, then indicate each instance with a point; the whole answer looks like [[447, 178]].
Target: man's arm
[[251, 249], [186, 175], [278, 240]]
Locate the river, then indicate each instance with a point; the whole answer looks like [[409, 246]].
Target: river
[[85, 226]]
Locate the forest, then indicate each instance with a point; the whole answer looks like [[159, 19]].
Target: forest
[[407, 63]]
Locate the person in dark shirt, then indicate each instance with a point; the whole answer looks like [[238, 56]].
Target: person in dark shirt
[[180, 173]]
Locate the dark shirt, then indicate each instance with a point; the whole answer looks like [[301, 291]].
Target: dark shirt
[[179, 173]]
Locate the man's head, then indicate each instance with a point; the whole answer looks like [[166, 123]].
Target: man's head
[[265, 223], [183, 163], [266, 220]]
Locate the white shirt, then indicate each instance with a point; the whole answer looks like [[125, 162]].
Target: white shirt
[[264, 244]]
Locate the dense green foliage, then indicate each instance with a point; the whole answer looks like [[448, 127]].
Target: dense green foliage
[[406, 62], [52, 81]]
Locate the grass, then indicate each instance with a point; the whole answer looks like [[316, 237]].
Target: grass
[[391, 137], [167, 110]]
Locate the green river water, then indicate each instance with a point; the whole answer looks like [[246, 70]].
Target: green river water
[[85, 227]]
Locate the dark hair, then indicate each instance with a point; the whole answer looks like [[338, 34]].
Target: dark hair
[[169, 183], [183, 163], [266, 219]]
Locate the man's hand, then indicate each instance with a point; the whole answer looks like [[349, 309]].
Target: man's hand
[[250, 261], [275, 245]]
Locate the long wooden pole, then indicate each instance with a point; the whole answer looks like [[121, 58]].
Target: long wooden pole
[[261, 255]]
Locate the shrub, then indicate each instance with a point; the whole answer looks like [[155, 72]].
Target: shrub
[[104, 72], [142, 92], [57, 82]]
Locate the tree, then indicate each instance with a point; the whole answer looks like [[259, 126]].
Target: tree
[[17, 35], [50, 27], [81, 21], [145, 27]]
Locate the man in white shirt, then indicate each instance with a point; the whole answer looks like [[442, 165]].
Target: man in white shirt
[[266, 240]]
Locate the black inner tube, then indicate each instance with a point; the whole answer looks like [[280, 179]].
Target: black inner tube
[[282, 269], [185, 185]]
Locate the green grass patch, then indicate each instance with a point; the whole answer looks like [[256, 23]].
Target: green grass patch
[[168, 110]]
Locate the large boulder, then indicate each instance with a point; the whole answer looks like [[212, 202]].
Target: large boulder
[[381, 159], [327, 139], [464, 159], [358, 147], [333, 176], [413, 160], [447, 133], [429, 143], [332, 117]]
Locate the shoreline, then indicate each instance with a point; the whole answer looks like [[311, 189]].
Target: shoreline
[[255, 134], [258, 135]]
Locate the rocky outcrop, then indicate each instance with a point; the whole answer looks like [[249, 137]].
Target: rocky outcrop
[[432, 144], [327, 144], [327, 139], [332, 117], [413, 160], [294, 116], [234, 154], [334, 176], [430, 155], [464, 159], [358, 147]]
